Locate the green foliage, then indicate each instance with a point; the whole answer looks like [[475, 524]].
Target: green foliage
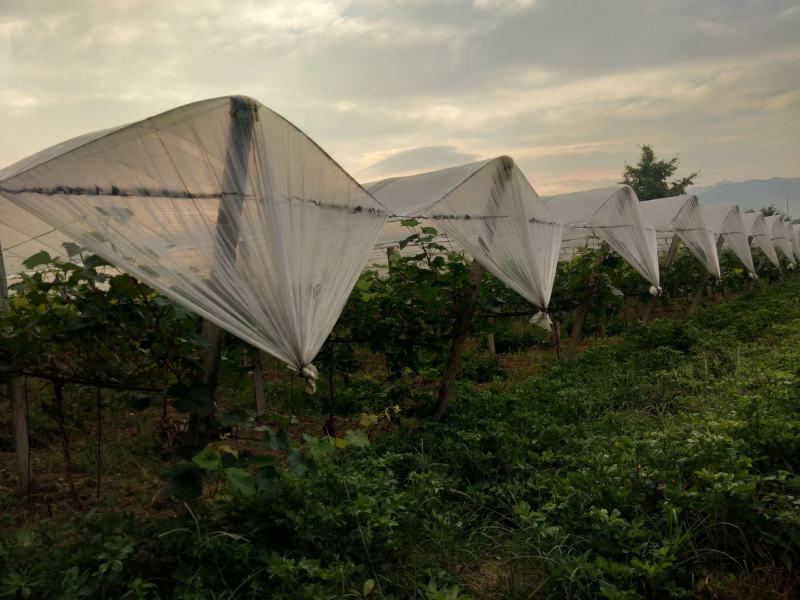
[[771, 210], [406, 314], [653, 462], [600, 275], [248, 474], [650, 177], [79, 320], [480, 367], [508, 339]]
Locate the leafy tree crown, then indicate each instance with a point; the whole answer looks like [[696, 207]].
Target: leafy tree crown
[[650, 178]]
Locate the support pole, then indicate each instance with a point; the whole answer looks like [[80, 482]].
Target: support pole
[[234, 180], [465, 309], [557, 337], [701, 287], [258, 383], [577, 324], [698, 297], [583, 308], [490, 339], [16, 395], [671, 254], [757, 267]]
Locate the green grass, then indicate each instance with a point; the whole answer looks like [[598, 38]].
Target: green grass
[[663, 463]]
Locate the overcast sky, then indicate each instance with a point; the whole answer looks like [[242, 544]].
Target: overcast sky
[[568, 88]]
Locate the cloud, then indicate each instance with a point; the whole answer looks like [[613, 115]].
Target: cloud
[[791, 11], [412, 160], [503, 5], [390, 86]]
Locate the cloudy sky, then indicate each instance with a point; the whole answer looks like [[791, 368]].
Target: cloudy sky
[[566, 87]]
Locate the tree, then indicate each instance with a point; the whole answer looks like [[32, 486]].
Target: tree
[[650, 177], [770, 211]]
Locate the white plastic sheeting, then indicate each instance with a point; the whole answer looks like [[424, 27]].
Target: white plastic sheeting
[[491, 212], [23, 235], [781, 238], [222, 205], [759, 234], [725, 220], [611, 214], [790, 240], [796, 230], [681, 216], [789, 233]]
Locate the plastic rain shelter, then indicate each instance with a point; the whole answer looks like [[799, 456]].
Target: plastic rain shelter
[[796, 229], [491, 211], [613, 215], [791, 232], [725, 222], [781, 238], [23, 235], [760, 237], [680, 218], [223, 206]]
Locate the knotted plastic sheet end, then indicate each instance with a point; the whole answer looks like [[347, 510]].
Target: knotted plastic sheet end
[[655, 290], [541, 319], [309, 373]]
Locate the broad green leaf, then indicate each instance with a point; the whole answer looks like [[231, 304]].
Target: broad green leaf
[[368, 419], [298, 463], [228, 450], [40, 258], [318, 447], [241, 481], [268, 485], [72, 248], [209, 459], [277, 440], [356, 438], [261, 462]]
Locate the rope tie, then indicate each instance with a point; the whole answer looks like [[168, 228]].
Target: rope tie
[[541, 319], [309, 374]]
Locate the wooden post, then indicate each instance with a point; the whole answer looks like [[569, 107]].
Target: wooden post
[[577, 324], [61, 420], [701, 287], [465, 309], [758, 267], [557, 337], [234, 180], [583, 309], [258, 383], [490, 339], [671, 254], [16, 395], [625, 312]]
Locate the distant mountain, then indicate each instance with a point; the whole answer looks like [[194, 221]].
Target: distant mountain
[[753, 194]]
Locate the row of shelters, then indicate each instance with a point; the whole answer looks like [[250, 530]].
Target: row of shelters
[[234, 213]]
